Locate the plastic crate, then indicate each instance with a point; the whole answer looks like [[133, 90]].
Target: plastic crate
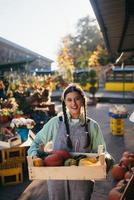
[[118, 131], [117, 126], [15, 154], [11, 174], [116, 121]]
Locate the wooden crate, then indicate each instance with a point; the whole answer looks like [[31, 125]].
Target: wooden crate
[[15, 154], [96, 171], [11, 174], [46, 107]]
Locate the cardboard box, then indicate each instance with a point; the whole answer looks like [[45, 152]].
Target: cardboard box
[[96, 171]]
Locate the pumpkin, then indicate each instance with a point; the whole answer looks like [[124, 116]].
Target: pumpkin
[[118, 172], [114, 194], [87, 161], [128, 175], [127, 161]]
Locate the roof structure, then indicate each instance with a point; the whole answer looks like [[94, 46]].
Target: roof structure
[[116, 21], [14, 55]]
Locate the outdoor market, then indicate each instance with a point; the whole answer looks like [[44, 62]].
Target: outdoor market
[[71, 128]]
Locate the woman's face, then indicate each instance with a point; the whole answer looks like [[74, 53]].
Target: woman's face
[[73, 101]]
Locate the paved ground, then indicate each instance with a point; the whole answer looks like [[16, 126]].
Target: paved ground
[[115, 145]]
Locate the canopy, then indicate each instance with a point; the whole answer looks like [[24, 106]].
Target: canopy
[[116, 20]]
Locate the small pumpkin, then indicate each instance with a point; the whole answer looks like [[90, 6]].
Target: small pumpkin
[[88, 161], [118, 172], [114, 194], [127, 161], [128, 174]]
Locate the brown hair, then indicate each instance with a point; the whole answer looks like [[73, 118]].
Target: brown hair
[[75, 88]]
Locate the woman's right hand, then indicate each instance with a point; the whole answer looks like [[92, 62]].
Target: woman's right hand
[[35, 157]]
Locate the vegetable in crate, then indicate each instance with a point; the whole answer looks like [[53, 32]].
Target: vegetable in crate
[[78, 157], [70, 162], [65, 154], [38, 162], [88, 161], [53, 160]]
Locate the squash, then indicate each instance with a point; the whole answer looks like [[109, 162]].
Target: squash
[[64, 153], [70, 162], [38, 162], [53, 160], [87, 161]]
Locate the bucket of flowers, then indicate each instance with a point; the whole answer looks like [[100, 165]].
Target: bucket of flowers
[[22, 126], [118, 111]]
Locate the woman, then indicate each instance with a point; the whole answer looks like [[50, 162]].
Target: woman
[[73, 131]]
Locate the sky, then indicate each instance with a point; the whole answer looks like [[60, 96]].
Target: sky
[[40, 25]]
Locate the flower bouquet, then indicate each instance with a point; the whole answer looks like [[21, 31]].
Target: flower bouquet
[[5, 114], [118, 111]]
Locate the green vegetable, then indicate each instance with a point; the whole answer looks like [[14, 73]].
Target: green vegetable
[[70, 161], [42, 154]]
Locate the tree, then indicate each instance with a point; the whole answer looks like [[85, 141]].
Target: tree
[[65, 59], [85, 41], [98, 57], [77, 49]]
